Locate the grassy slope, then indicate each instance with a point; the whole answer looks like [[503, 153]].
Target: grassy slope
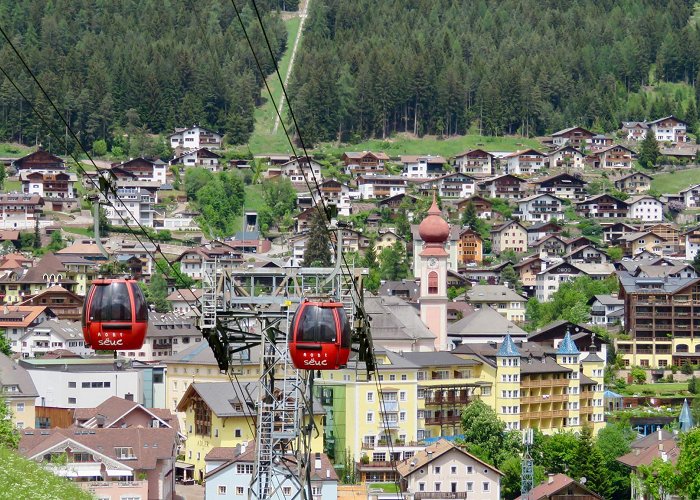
[[22, 478], [263, 140], [431, 145], [675, 181], [672, 389]]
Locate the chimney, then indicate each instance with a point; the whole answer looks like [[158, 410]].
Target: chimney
[[550, 478], [659, 434], [243, 447], [661, 447]]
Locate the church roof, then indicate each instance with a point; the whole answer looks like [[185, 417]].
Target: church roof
[[508, 348], [567, 346]]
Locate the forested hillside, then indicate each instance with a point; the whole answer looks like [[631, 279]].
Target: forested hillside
[[135, 63], [372, 67]]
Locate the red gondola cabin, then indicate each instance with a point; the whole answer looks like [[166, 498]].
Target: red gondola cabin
[[115, 315], [320, 336]]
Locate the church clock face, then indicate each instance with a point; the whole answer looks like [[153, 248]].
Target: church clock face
[[432, 263]]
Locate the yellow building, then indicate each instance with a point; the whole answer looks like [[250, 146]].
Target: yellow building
[[387, 239], [223, 414], [506, 301], [418, 396], [19, 393]]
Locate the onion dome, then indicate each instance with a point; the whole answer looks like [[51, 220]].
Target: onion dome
[[434, 229]]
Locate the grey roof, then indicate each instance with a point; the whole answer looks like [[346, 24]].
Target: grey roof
[[508, 348], [13, 374], [605, 269], [586, 380], [395, 319], [592, 358], [609, 300], [220, 397], [485, 321], [666, 285], [199, 354], [440, 358], [493, 293], [567, 346], [171, 325], [543, 365], [67, 330]]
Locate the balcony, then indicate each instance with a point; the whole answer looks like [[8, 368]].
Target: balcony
[[443, 420], [441, 400], [435, 495], [389, 424], [378, 464]]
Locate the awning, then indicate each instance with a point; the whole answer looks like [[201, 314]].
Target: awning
[[183, 465], [119, 472]]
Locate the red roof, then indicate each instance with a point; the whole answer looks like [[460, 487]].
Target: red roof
[[552, 485]]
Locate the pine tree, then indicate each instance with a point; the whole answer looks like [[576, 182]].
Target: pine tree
[[370, 259], [37, 235], [649, 151], [470, 217], [317, 252]]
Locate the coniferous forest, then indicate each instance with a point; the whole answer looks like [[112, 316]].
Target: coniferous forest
[[372, 67], [149, 64]]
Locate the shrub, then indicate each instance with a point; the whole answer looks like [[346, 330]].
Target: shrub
[[687, 369]]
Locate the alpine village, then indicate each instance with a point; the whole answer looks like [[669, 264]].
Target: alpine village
[[379, 249]]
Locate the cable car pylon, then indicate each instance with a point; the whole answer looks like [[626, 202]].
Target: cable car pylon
[[251, 311]]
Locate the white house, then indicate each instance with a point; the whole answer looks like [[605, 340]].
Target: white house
[[444, 470], [691, 196], [476, 162], [229, 472], [606, 309], [669, 129], [195, 138], [380, 186], [423, 167], [134, 202], [540, 208], [302, 170], [201, 157], [567, 156], [453, 185], [549, 280], [527, 162], [645, 208], [692, 243], [51, 335]]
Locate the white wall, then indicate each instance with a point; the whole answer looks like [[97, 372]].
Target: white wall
[[54, 390]]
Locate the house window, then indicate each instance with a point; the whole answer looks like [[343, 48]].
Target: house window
[[486, 486], [370, 396], [244, 468], [287, 490], [237, 433], [222, 490], [240, 490], [433, 283], [124, 452], [71, 401], [437, 486], [436, 469], [370, 417], [421, 486]]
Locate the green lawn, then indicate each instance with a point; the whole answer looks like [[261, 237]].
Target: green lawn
[[25, 479], [432, 145], [675, 181], [11, 186], [672, 389], [385, 487], [82, 231], [13, 150]]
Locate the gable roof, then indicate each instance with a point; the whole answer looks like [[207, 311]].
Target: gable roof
[[13, 374], [559, 177], [114, 409], [487, 293], [670, 117], [571, 129], [149, 444], [430, 453], [553, 485], [485, 320]]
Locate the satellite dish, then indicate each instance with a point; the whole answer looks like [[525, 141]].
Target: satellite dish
[[583, 480]]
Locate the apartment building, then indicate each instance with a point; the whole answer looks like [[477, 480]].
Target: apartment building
[[470, 248], [661, 320], [508, 187], [511, 235], [562, 186], [201, 157], [423, 167], [527, 162], [635, 183], [421, 395], [134, 202], [39, 161], [572, 136], [540, 208], [499, 297], [366, 162], [453, 185], [669, 129]]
